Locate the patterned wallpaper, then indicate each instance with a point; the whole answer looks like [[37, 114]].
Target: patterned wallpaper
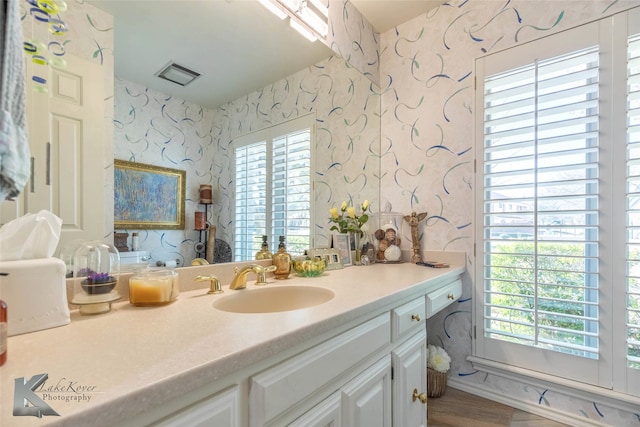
[[428, 153], [353, 38]]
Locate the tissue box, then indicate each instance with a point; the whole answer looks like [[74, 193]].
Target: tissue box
[[36, 294]]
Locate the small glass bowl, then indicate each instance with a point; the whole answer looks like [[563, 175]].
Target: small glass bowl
[[309, 267]]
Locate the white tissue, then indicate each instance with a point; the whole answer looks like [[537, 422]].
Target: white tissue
[[30, 236]]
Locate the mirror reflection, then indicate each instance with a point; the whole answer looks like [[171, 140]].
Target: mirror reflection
[[157, 124]]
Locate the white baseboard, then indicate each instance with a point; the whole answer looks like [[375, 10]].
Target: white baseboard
[[543, 411]]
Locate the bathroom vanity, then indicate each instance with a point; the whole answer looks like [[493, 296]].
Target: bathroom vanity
[[356, 359]]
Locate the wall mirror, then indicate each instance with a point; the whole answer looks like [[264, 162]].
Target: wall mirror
[[269, 75]]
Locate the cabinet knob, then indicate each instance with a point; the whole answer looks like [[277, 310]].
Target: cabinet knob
[[451, 297], [415, 317], [420, 396]]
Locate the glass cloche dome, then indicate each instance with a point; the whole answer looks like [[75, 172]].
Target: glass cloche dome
[[96, 268]]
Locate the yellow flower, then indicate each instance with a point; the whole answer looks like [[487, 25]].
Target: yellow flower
[[343, 207], [365, 205], [351, 212], [334, 213]]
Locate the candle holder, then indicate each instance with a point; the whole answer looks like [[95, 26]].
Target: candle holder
[[153, 287]]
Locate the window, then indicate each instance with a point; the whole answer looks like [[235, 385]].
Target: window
[[633, 204], [273, 188], [550, 295]]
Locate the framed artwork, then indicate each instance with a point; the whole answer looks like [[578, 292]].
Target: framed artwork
[[342, 243], [332, 257], [148, 197]]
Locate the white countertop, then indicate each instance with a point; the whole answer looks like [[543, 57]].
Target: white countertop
[[135, 358]]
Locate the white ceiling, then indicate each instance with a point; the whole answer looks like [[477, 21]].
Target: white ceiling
[[237, 45], [386, 14]]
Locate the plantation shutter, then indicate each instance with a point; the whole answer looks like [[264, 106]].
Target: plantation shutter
[[273, 188], [251, 198], [539, 209], [633, 205], [291, 189]]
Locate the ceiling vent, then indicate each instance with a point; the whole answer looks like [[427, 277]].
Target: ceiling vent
[[177, 74]]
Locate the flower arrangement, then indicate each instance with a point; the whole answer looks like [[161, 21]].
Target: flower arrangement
[[346, 219], [94, 277], [96, 283], [438, 359]]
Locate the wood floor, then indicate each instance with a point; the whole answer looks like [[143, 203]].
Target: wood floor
[[456, 408]]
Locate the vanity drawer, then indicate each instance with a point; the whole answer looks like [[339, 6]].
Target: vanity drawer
[[407, 317], [442, 297]]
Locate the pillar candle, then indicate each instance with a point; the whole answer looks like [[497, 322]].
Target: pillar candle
[[201, 221], [206, 193]]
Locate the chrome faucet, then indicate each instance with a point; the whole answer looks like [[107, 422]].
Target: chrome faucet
[[240, 279]]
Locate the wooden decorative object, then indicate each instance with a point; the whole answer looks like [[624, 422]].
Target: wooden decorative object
[[120, 241], [413, 220], [211, 244]]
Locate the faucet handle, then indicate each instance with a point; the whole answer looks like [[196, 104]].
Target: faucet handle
[[261, 274], [214, 286]]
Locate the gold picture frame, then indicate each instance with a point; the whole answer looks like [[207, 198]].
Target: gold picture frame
[[148, 197]]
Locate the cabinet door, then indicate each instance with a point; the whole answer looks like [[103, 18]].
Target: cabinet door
[[66, 139], [366, 400], [221, 410], [324, 414], [410, 373]]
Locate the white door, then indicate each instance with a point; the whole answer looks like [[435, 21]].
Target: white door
[[221, 410], [410, 373], [324, 414], [366, 400], [66, 138]]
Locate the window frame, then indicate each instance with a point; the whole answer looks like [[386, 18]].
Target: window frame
[[609, 371], [268, 135]]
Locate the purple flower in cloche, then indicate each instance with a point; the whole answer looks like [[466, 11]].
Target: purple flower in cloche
[[99, 278], [85, 272]]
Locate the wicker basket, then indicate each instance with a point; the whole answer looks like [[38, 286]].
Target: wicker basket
[[436, 383]]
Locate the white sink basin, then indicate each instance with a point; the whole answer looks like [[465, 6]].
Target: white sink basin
[[273, 299]]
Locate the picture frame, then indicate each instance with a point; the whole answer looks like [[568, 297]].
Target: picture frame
[[342, 243], [332, 257], [148, 197]]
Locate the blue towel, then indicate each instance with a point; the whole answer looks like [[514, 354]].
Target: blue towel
[[14, 145]]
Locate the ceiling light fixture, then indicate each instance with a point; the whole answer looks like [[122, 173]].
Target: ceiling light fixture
[[177, 74], [308, 17]]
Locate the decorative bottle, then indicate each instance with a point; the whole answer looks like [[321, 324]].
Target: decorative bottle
[[135, 245], [264, 252], [282, 261]]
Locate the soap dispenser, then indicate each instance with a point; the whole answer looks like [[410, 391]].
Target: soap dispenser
[[282, 261], [264, 252]]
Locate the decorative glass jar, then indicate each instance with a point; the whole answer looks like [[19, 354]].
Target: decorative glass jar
[[96, 268], [385, 231]]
